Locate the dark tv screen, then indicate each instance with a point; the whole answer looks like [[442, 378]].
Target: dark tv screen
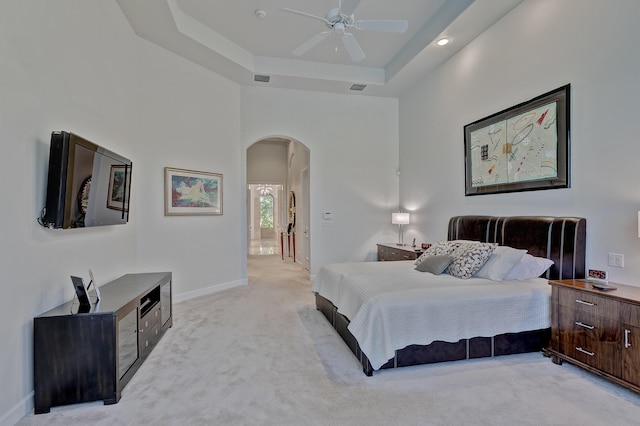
[[87, 184]]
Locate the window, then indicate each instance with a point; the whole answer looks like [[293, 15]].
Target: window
[[266, 211]]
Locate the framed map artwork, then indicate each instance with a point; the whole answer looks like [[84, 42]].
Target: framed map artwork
[[523, 148]]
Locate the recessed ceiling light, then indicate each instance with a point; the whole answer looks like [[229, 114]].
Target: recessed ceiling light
[[260, 13], [443, 41]]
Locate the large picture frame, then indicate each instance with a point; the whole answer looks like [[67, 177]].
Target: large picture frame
[[522, 148], [190, 192]]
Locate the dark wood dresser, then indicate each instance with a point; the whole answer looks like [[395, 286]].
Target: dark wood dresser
[[390, 251], [597, 330], [83, 355]]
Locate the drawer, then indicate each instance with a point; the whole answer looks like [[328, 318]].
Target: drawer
[[150, 330], [391, 253], [149, 320], [592, 339], [588, 302], [149, 338], [402, 255]]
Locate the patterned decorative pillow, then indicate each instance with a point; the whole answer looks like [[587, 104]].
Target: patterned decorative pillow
[[500, 263], [435, 264], [468, 258], [441, 248]]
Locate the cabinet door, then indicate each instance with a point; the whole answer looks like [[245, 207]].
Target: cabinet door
[[127, 342], [631, 354]]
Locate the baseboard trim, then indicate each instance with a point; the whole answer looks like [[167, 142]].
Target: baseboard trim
[[183, 297], [21, 409]]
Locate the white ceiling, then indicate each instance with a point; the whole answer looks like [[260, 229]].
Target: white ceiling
[[227, 37]]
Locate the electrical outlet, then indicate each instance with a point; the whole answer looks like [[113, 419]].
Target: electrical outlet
[[616, 259]]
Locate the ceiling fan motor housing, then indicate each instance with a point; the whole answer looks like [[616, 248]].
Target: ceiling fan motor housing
[[334, 16]]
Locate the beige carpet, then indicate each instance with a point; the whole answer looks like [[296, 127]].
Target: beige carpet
[[262, 355]]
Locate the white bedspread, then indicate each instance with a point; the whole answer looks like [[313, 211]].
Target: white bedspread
[[391, 305]]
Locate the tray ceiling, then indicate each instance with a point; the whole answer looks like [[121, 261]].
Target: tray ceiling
[[231, 39]]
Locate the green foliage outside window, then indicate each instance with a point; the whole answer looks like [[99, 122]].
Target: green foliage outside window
[[266, 211]]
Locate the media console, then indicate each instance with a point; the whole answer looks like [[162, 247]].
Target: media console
[[91, 356]]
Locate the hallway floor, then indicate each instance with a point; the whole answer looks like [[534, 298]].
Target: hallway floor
[[264, 247]]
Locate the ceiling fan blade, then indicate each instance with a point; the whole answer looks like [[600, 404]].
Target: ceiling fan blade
[[353, 48], [348, 6], [389, 26], [308, 15], [311, 43]]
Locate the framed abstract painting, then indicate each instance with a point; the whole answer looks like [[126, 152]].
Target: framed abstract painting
[[522, 148]]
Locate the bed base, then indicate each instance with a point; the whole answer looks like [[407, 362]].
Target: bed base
[[438, 351]]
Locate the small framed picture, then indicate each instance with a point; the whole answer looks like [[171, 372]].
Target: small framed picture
[[119, 184], [81, 291]]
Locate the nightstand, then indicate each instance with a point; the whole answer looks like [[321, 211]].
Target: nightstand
[[390, 251], [597, 330]]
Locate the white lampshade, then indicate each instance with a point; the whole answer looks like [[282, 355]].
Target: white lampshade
[[400, 218]]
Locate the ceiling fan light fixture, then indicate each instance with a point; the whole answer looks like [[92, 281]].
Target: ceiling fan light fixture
[[342, 18], [443, 41]]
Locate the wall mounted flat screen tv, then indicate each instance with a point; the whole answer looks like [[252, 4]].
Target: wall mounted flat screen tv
[[87, 184]]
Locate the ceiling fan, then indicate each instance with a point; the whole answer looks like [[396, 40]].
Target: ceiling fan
[[338, 20]]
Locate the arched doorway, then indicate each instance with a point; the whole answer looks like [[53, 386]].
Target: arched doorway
[[280, 161]]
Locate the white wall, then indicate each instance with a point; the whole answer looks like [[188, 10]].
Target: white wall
[[77, 66], [539, 46], [353, 151], [267, 163]]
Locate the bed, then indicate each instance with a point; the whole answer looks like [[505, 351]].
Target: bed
[[391, 315]]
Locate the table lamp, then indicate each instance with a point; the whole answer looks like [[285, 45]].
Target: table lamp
[[400, 219]]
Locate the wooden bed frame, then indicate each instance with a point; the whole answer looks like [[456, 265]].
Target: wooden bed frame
[[561, 239]]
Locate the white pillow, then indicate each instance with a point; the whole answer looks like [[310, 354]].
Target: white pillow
[[529, 267], [468, 258], [501, 261]]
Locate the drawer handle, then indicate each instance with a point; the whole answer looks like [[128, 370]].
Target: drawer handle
[[585, 351], [626, 338], [581, 324], [585, 303]]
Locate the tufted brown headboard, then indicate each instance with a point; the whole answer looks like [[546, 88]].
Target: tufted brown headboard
[[561, 239]]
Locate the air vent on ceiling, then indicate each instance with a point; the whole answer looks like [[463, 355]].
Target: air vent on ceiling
[[358, 87], [261, 78]]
